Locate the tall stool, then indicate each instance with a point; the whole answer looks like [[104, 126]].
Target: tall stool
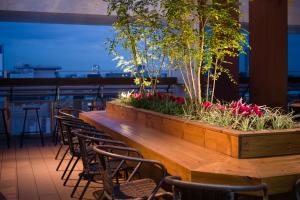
[[36, 109], [2, 110], [55, 133]]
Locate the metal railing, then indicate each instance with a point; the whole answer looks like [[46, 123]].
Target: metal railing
[[46, 93]]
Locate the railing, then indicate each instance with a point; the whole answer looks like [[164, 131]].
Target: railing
[[81, 93], [293, 88]]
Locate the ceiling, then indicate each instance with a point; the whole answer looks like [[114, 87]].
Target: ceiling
[[293, 12], [92, 11]]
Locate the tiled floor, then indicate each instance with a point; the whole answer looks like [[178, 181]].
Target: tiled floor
[[29, 173]]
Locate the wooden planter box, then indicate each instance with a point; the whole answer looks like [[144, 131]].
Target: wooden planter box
[[237, 144]]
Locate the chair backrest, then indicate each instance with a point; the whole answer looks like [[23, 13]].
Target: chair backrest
[[227, 191], [105, 157], [70, 112], [86, 141], [297, 189], [68, 128], [63, 128]]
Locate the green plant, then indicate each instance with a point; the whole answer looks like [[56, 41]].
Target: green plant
[[202, 35], [235, 115], [138, 29]]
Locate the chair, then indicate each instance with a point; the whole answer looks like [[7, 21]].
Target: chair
[[55, 133], [61, 132], [36, 110], [297, 189], [2, 197], [6, 133], [145, 188], [76, 123], [73, 145], [214, 191], [90, 166], [64, 114], [71, 112]]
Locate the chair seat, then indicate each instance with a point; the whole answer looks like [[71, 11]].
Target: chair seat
[[138, 190], [31, 108]]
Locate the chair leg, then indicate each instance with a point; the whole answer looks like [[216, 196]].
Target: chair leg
[[77, 184], [41, 133], [23, 131], [54, 132], [57, 154], [72, 169], [6, 129], [69, 163], [91, 177], [62, 159]]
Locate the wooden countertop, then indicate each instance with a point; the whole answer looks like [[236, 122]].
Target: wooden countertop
[[196, 163]]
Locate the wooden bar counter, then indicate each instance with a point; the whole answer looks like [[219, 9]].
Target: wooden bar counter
[[196, 163]]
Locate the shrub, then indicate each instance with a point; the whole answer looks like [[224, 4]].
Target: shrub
[[235, 115]]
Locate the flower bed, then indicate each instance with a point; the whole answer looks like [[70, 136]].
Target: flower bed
[[234, 143], [235, 115]]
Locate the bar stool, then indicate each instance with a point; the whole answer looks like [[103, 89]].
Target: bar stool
[[55, 133], [36, 109], [2, 110]]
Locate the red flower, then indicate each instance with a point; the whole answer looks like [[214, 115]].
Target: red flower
[[160, 95], [172, 98], [137, 96], [149, 95], [180, 100], [221, 107], [257, 110], [238, 107], [207, 104]]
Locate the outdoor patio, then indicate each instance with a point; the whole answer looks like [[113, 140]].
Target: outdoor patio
[[150, 99], [29, 173]]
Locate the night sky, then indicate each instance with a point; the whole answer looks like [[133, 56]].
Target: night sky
[[77, 47], [73, 47]]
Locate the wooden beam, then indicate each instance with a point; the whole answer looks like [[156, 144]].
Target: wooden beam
[[268, 57]]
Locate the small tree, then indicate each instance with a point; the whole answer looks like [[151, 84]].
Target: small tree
[[194, 37], [201, 35], [138, 29]]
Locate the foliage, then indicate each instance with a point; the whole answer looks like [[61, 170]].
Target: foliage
[[195, 37], [138, 29], [235, 115], [202, 35], [157, 102]]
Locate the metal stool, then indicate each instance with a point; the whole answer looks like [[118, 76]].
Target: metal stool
[[5, 126], [55, 133], [36, 109]]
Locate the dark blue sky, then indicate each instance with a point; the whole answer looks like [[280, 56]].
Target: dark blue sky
[[73, 47], [76, 47]]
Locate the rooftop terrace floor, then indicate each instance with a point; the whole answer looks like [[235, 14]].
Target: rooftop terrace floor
[[29, 173]]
